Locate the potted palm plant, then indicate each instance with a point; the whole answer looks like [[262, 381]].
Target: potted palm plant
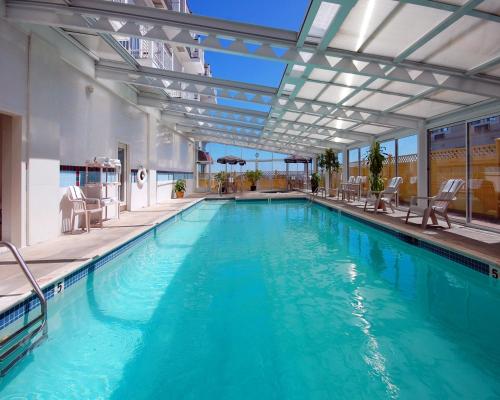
[[253, 177], [375, 160], [180, 188], [221, 178], [331, 164], [315, 179]]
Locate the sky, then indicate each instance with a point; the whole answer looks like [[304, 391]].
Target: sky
[[282, 14]]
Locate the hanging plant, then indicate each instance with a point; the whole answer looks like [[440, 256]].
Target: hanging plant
[[375, 160]]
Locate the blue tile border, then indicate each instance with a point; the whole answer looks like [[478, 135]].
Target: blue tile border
[[19, 310], [467, 261]]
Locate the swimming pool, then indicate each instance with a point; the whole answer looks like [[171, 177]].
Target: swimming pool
[[280, 300]]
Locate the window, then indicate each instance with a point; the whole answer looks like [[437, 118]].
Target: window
[[407, 167], [484, 171], [447, 160], [354, 162]]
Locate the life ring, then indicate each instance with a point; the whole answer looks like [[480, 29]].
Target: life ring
[[142, 176]]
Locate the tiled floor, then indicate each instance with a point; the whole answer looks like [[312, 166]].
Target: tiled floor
[[55, 258]]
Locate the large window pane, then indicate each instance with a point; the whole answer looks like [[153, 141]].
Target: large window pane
[[484, 171], [354, 162], [447, 161], [407, 168], [389, 170]]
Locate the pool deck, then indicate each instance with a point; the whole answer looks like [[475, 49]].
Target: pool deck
[[50, 261]]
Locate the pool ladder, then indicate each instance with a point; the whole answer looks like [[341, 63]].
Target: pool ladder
[[19, 343]]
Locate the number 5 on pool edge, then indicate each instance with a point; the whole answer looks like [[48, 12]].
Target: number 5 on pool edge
[[494, 273], [59, 287]]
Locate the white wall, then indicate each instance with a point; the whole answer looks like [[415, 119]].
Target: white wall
[[68, 117]]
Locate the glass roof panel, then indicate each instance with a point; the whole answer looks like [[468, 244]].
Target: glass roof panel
[[426, 108], [457, 97], [409, 25], [490, 6], [341, 124], [290, 116], [368, 128], [351, 79], [322, 74], [357, 98], [466, 44], [363, 19], [310, 90], [380, 101], [493, 71], [325, 15], [307, 118], [334, 93], [378, 83], [341, 140], [405, 88]]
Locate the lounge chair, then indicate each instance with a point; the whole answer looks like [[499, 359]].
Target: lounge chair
[[354, 188], [80, 207], [346, 187], [437, 204], [386, 196]]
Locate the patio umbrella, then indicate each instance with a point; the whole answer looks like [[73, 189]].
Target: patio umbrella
[[231, 160]]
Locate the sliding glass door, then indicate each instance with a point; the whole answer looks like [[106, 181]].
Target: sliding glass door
[[447, 160], [484, 171], [469, 151]]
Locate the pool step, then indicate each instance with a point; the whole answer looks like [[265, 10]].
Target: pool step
[[19, 343]]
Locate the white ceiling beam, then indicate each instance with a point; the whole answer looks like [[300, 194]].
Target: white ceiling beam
[[235, 142], [283, 145], [74, 16], [281, 138], [188, 83]]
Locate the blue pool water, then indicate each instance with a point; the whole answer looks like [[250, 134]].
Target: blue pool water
[[286, 300]]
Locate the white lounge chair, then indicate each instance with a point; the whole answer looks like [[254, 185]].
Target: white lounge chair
[[80, 207], [386, 196], [436, 205], [345, 187], [355, 188]]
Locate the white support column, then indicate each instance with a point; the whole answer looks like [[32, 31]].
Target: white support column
[[345, 170], [422, 162]]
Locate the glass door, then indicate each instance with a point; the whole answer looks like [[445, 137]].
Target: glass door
[[484, 172], [447, 160]]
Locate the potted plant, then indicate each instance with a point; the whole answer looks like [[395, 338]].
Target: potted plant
[[180, 188], [331, 164], [253, 177], [221, 178], [375, 160], [315, 179]]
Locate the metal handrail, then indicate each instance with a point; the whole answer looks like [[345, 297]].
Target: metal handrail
[[42, 317]]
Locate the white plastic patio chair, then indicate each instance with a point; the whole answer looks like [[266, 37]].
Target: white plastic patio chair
[[437, 205], [345, 187], [355, 188], [80, 205], [386, 196]]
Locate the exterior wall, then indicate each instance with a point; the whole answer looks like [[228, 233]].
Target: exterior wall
[[68, 117]]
